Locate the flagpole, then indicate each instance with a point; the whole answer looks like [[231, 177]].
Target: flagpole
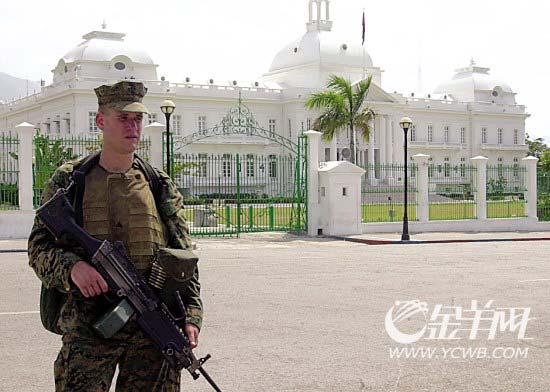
[[363, 45]]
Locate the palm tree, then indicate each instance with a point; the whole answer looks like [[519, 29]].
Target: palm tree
[[342, 107]]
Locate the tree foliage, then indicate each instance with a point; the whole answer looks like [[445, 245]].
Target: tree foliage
[[342, 107]]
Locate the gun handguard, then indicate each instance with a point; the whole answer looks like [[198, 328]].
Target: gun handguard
[[124, 281]]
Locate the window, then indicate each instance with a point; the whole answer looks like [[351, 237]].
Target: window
[[226, 165], [516, 136], [516, 167], [446, 134], [327, 154], [447, 167], [202, 165], [250, 165], [68, 125], [500, 167], [272, 126], [499, 136], [92, 127], [463, 135], [462, 167], [176, 124], [201, 124], [483, 135], [430, 133], [272, 166], [152, 118], [120, 66], [431, 167], [413, 133], [412, 171]]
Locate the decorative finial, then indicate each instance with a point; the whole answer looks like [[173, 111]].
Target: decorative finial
[[104, 25]]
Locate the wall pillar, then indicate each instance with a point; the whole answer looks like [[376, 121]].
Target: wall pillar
[[25, 132], [481, 186], [313, 141], [154, 132], [423, 202], [531, 184]]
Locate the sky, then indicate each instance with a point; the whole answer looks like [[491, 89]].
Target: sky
[[237, 39]]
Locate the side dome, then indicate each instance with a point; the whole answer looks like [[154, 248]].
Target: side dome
[[475, 84], [105, 55], [104, 46]]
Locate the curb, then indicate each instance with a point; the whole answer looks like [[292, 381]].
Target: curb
[[415, 242]]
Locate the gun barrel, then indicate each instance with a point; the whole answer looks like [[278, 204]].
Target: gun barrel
[[209, 379]]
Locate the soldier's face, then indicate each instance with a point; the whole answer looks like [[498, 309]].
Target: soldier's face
[[121, 130]]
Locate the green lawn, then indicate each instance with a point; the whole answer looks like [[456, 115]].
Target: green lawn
[[253, 217], [442, 211]]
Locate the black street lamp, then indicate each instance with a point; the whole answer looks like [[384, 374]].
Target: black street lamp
[[405, 124], [168, 108]]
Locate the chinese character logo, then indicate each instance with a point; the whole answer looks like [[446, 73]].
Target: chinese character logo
[[400, 314]]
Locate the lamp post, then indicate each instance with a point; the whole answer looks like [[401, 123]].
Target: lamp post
[[168, 108], [405, 124]]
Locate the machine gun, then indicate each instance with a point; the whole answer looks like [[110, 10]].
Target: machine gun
[[124, 281]]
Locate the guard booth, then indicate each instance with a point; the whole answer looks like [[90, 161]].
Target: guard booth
[[340, 198]]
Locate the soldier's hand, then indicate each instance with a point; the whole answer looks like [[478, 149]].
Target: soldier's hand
[[88, 280], [192, 333]]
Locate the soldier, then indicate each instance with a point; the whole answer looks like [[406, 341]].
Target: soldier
[[117, 205]]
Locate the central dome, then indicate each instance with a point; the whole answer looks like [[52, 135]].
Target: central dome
[[322, 48]]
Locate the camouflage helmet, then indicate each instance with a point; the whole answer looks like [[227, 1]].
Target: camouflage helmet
[[125, 96]]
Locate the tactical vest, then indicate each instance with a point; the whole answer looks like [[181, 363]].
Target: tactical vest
[[121, 207]]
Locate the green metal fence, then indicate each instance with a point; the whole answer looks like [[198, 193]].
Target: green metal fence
[[382, 193], [506, 191], [451, 191], [228, 194], [543, 193], [50, 152], [9, 172]]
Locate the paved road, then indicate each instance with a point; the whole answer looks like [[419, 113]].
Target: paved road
[[287, 313]]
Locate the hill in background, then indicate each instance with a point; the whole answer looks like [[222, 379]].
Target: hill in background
[[14, 88]]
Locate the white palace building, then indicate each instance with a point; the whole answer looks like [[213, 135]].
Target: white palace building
[[472, 114]]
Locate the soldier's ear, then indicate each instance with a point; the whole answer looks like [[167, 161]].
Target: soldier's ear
[[100, 119]]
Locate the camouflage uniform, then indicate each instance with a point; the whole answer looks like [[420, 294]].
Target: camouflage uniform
[[87, 362]]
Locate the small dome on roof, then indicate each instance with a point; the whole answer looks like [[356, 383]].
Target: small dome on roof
[[475, 84]]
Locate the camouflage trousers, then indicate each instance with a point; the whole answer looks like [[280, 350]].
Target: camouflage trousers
[[88, 365]]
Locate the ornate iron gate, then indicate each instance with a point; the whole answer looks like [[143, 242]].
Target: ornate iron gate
[[229, 193]]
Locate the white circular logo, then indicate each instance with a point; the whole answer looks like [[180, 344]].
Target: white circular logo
[[403, 311]]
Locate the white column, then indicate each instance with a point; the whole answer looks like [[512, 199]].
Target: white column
[[423, 202], [333, 148], [154, 132], [389, 140], [481, 186], [399, 141], [313, 141], [371, 172], [25, 132], [531, 184], [383, 140]]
